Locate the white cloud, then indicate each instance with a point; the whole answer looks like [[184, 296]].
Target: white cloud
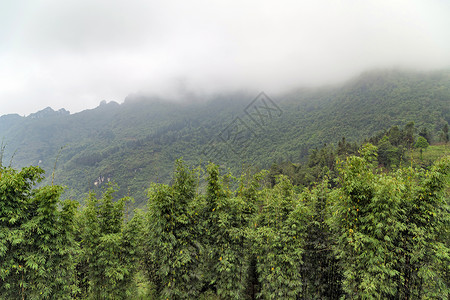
[[75, 53]]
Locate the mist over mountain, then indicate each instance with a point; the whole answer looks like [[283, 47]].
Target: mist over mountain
[[224, 149], [72, 55], [137, 142]]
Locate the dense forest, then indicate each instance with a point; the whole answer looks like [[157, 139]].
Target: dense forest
[[136, 142], [358, 222], [333, 193]]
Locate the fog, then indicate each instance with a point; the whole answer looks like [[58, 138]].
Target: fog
[[72, 54]]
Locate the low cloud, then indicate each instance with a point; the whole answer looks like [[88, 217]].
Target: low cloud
[[73, 54]]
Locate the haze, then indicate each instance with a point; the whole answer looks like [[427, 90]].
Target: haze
[[75, 53]]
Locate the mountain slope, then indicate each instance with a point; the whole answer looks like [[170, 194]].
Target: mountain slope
[[136, 142]]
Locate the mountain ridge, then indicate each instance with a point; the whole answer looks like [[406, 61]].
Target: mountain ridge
[[136, 142]]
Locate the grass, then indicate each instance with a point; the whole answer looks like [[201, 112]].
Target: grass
[[430, 154]]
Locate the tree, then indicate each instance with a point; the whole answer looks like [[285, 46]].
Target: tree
[[278, 241], [388, 155], [395, 136], [424, 264], [108, 247], [321, 272], [425, 133], [408, 134], [224, 220], [37, 247], [388, 230], [421, 143], [366, 224], [444, 137], [172, 244]]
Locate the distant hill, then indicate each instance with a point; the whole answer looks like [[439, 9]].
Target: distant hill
[[136, 142]]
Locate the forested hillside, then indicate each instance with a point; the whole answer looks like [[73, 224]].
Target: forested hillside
[[333, 193], [362, 233], [136, 143]]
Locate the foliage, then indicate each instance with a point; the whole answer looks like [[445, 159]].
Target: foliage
[[444, 136], [425, 250], [109, 248], [386, 229], [421, 143], [388, 155], [278, 242], [136, 142], [343, 224], [224, 220], [322, 274], [37, 245], [172, 244]]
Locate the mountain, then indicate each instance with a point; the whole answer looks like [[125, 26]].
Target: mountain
[[137, 142], [48, 112]]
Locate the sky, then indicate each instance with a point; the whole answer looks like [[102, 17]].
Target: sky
[[73, 54]]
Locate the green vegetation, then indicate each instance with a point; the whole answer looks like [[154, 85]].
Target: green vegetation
[[352, 218], [37, 246], [376, 234], [136, 143], [109, 248], [388, 230], [431, 154]]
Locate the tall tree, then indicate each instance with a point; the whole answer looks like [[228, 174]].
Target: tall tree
[[279, 239], [322, 274], [37, 245], [425, 260], [425, 134], [226, 248], [387, 230], [364, 240], [172, 246], [107, 254], [444, 134], [422, 144], [408, 134]]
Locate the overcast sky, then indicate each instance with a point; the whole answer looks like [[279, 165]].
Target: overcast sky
[[75, 53]]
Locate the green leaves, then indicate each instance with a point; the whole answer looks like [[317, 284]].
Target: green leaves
[[224, 220], [173, 251], [109, 248], [37, 246], [386, 228], [377, 235], [278, 242]]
